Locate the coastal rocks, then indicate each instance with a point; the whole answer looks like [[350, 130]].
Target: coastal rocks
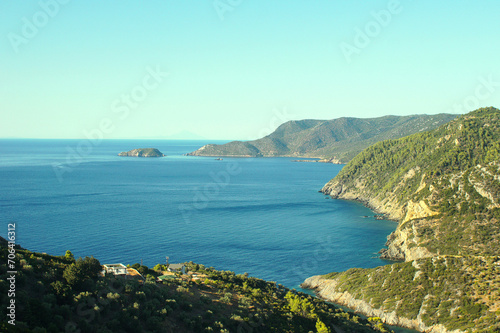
[[386, 205], [332, 160], [401, 245], [327, 289], [333, 191], [142, 152]]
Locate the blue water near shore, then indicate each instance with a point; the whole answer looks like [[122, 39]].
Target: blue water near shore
[[263, 216]]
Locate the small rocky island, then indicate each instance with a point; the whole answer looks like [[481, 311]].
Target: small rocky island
[[142, 152]]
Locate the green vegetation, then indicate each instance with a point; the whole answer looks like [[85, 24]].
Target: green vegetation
[[340, 138], [61, 294], [444, 186], [454, 170], [142, 152], [458, 292]]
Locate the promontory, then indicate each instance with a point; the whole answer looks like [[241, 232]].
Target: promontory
[[142, 152], [443, 186], [337, 140]]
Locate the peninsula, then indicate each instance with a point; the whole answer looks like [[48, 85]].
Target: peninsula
[[443, 186], [142, 152], [337, 140]]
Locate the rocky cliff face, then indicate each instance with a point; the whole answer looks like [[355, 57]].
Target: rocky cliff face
[[142, 152], [382, 204]]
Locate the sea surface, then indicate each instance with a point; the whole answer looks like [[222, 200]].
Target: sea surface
[[263, 216]]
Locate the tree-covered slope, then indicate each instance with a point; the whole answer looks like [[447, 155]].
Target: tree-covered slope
[[61, 294], [444, 186], [438, 294], [340, 138]]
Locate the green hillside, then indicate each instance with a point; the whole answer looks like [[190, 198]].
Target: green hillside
[[457, 292], [444, 188], [340, 138], [61, 294], [443, 184]]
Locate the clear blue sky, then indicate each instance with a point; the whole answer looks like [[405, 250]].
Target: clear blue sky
[[238, 71]]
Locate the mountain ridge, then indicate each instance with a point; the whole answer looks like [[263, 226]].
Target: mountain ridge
[[340, 138]]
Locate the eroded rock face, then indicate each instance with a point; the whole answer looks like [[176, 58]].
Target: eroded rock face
[[417, 210], [386, 205], [142, 152], [402, 245]]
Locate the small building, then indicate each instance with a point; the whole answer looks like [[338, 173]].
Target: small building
[[115, 269], [177, 268], [123, 271]]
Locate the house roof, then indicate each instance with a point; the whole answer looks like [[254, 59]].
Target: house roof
[[176, 266], [115, 265]]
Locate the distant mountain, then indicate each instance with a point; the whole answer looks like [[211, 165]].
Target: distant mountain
[[444, 188], [340, 138]]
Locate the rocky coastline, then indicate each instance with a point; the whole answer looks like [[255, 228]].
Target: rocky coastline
[[332, 160], [326, 289], [401, 243]]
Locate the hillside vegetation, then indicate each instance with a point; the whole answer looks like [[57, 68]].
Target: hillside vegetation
[[438, 294], [340, 138], [61, 294], [444, 188]]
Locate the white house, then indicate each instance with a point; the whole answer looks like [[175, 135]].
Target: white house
[[181, 268], [115, 269]]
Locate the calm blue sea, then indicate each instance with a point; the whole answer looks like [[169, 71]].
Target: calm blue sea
[[263, 216]]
